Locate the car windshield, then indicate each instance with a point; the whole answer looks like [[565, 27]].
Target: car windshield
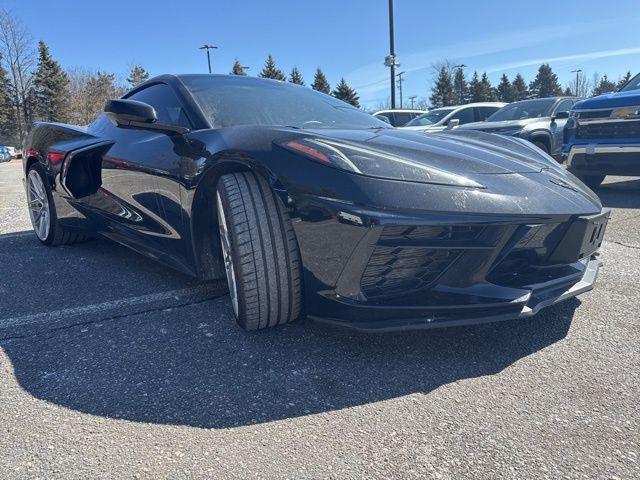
[[633, 84], [430, 118], [526, 109], [229, 101]]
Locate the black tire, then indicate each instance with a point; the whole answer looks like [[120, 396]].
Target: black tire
[[56, 234], [542, 146], [263, 252], [591, 181]]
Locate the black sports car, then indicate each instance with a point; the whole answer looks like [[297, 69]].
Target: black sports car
[[310, 206]]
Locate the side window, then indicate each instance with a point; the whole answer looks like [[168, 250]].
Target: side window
[[167, 105], [465, 115], [482, 113], [387, 116], [564, 106], [401, 118]]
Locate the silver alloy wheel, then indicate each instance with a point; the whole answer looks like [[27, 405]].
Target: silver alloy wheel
[[225, 240], [38, 205]]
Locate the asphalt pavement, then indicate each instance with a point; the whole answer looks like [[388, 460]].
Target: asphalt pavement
[[113, 366]]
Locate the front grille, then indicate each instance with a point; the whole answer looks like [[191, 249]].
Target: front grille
[[428, 232], [595, 114], [609, 130], [393, 271]]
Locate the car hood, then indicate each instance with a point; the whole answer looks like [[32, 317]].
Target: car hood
[[610, 100], [457, 151], [497, 126]]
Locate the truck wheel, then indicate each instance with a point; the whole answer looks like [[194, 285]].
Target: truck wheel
[[591, 181], [42, 211], [542, 146], [260, 252]]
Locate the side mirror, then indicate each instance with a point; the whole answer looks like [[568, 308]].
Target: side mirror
[[453, 123], [125, 111], [561, 115], [132, 113]]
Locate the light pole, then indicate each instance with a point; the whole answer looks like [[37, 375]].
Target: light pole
[[577, 72], [413, 99], [207, 48], [390, 61], [399, 75], [459, 79]]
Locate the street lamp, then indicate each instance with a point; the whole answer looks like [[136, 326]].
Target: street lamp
[[460, 67], [390, 60], [577, 72], [207, 48]]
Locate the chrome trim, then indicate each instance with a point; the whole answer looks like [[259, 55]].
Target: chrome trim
[[591, 149], [606, 120]]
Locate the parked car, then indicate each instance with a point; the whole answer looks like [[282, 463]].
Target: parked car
[[307, 204], [442, 118], [398, 117], [602, 135], [5, 154], [541, 121]]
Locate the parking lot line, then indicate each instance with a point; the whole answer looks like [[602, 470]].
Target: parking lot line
[[197, 293]]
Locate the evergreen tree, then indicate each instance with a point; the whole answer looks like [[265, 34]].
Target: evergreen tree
[[546, 83], [347, 94], [460, 87], [237, 68], [442, 94], [271, 71], [8, 132], [137, 75], [49, 95], [623, 80], [520, 90], [296, 77], [604, 86], [320, 82], [568, 92], [488, 92], [506, 91]]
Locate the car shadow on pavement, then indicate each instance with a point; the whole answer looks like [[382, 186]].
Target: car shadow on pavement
[[191, 365], [624, 193]]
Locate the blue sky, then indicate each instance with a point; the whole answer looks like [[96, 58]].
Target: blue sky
[[345, 38]]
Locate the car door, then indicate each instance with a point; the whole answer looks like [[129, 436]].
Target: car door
[[140, 193], [482, 113], [557, 127], [463, 115]]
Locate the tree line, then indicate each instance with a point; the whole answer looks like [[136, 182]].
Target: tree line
[[342, 90], [451, 86]]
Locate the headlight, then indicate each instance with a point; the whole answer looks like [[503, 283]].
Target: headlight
[[574, 114], [373, 163]]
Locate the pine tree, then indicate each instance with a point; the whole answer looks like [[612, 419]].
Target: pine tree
[[271, 71], [460, 87], [488, 92], [347, 94], [296, 77], [442, 94], [8, 131], [546, 83], [320, 82], [237, 68], [604, 86], [568, 92], [137, 75], [49, 95], [520, 90], [506, 91], [623, 80]]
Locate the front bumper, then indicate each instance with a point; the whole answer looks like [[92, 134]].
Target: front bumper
[[605, 158], [381, 319]]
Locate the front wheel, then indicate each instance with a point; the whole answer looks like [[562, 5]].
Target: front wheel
[[260, 252]]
